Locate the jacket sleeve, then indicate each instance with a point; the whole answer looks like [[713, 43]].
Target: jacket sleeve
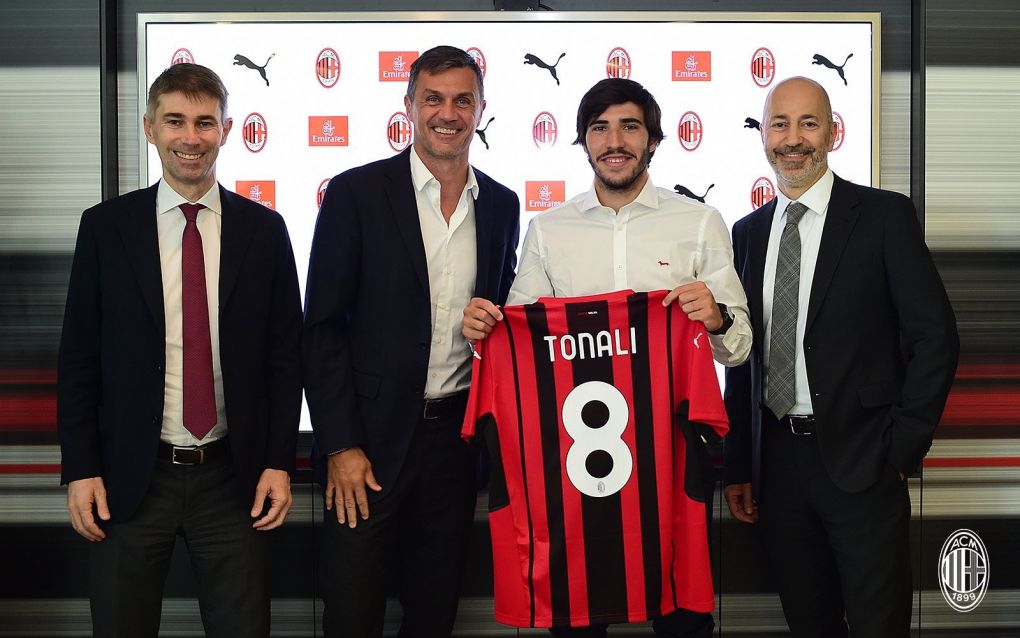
[[284, 356], [79, 380], [333, 272], [929, 340]]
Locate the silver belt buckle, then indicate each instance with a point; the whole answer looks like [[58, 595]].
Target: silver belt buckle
[[173, 455], [794, 419], [425, 409]]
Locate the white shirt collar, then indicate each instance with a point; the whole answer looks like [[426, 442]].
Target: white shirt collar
[[167, 199], [815, 198], [421, 175], [648, 197]]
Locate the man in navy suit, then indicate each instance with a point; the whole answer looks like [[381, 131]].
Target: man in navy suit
[[179, 388], [854, 351], [400, 248]]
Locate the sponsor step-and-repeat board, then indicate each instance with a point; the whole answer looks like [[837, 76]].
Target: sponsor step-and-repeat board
[[312, 95]]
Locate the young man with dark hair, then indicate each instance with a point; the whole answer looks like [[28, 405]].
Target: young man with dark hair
[[401, 245], [625, 233], [179, 381]]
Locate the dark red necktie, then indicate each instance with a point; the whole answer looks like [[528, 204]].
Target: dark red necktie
[[199, 390]]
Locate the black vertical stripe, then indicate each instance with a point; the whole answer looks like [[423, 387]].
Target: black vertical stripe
[[524, 470], [644, 443], [548, 413], [672, 432], [602, 517]]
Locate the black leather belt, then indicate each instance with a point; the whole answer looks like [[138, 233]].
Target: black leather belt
[[799, 425], [193, 455], [444, 407]]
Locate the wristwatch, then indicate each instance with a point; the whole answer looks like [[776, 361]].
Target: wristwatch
[[727, 320]]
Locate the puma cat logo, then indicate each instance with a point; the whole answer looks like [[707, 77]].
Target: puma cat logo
[[240, 60], [481, 132], [686, 192], [750, 122], [537, 61], [824, 61]]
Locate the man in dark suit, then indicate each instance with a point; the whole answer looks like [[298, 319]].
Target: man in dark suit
[[400, 247], [179, 387], [854, 351]]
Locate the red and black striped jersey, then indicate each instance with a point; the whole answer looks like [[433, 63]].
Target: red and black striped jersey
[[596, 507]]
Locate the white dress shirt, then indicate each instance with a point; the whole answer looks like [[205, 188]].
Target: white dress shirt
[[657, 242], [452, 258], [170, 224], [810, 227]]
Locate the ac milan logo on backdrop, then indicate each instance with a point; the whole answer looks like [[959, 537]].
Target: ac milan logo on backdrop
[[762, 192], [544, 131], [399, 132], [837, 141], [479, 58], [182, 55], [964, 570], [618, 64], [690, 131], [327, 68], [255, 132], [321, 192], [763, 67]]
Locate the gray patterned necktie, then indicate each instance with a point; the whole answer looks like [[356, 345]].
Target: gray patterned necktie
[[782, 386]]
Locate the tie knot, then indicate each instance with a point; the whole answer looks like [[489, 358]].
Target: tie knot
[[191, 211], [794, 211]]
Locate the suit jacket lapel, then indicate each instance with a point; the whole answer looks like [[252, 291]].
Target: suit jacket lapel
[[235, 235], [840, 221], [400, 192], [483, 235], [758, 232], [137, 226]]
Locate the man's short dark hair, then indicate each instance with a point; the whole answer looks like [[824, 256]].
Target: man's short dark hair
[[443, 58], [613, 91], [193, 80]]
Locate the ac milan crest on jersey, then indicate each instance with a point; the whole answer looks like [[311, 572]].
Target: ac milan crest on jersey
[[763, 67], [762, 192], [327, 68], [541, 196], [327, 130], [618, 64], [262, 191], [690, 131], [837, 140], [399, 132], [182, 55], [479, 58], [692, 66], [321, 192], [593, 409], [395, 66], [543, 130], [255, 132]]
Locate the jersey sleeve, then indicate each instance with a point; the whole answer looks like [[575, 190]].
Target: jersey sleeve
[[705, 400], [480, 397]]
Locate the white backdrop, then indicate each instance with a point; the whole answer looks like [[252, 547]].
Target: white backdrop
[[699, 71]]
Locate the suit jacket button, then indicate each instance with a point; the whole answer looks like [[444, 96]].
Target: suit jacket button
[[159, 367], [157, 420]]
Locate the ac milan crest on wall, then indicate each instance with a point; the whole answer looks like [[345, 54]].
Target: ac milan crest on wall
[[327, 68], [618, 64], [763, 67], [255, 132], [399, 132]]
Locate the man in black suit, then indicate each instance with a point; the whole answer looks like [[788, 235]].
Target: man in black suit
[[179, 387], [400, 247], [855, 347]]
